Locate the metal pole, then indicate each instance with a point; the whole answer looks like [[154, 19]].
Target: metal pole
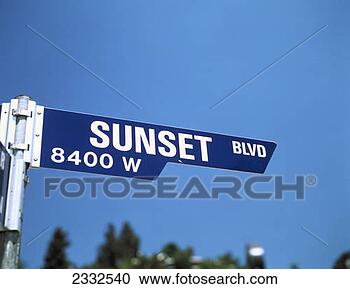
[[10, 238]]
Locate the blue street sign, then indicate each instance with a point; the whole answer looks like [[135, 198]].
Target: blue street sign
[[117, 147]]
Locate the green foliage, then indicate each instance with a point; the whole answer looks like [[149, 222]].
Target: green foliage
[[225, 261], [118, 252], [56, 257], [122, 251], [343, 262], [128, 242], [169, 257], [183, 259], [173, 257], [109, 252], [170, 249], [147, 262]]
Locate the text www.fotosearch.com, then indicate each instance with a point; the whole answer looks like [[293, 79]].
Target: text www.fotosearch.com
[[178, 278], [191, 279]]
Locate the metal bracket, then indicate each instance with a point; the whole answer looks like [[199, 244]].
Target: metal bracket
[[22, 112], [19, 146], [36, 138], [34, 115]]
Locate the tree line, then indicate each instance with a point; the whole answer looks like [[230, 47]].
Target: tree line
[[122, 251]]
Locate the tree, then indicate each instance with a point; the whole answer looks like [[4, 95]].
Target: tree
[[109, 252], [225, 261], [170, 249], [183, 259], [128, 243], [148, 262], [177, 258], [294, 266], [56, 257], [343, 262]]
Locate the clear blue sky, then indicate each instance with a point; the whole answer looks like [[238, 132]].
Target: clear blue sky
[[176, 59]]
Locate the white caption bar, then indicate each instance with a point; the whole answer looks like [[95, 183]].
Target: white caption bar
[[171, 278]]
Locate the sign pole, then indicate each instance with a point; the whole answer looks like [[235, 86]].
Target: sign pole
[[11, 233]]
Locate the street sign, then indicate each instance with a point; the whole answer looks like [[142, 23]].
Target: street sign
[[96, 144], [42, 137], [4, 180]]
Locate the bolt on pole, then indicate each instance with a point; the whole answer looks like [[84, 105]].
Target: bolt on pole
[[10, 235]]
